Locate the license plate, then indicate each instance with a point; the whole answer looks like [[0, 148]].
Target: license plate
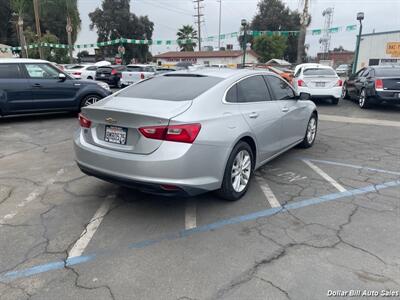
[[320, 84], [102, 75], [116, 135]]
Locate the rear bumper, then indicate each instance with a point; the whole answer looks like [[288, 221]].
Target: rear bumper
[[193, 168], [390, 97], [321, 93], [112, 80]]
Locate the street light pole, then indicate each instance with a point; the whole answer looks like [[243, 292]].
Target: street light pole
[[360, 18], [219, 26], [244, 25]]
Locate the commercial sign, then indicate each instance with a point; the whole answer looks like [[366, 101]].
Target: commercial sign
[[393, 48]]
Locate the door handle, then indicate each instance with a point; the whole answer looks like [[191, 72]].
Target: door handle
[[285, 109], [253, 115], [37, 85]]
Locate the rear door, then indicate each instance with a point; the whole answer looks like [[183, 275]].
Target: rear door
[[15, 89], [262, 114], [353, 82], [295, 116], [48, 91]]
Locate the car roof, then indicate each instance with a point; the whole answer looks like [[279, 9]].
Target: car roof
[[21, 60], [317, 67], [385, 67], [139, 65], [221, 72]]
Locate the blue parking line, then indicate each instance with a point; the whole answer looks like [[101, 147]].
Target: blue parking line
[[58, 265], [352, 166]]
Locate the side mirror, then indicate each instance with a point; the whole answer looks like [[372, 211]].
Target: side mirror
[[304, 96], [62, 77]]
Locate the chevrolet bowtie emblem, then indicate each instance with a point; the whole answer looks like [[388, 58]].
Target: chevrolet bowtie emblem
[[111, 120]]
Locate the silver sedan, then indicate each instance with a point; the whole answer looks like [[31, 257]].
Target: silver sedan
[[190, 132]]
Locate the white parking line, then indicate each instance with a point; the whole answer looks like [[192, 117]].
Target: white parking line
[[267, 192], [190, 215], [31, 197], [328, 178], [88, 233], [343, 119]]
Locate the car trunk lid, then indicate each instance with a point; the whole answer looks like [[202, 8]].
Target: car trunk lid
[[391, 83], [323, 82], [115, 122]]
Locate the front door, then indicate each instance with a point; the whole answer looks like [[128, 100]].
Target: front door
[[295, 115], [49, 92]]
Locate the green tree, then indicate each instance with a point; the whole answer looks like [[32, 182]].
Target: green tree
[[269, 47], [273, 15], [184, 33], [114, 20]]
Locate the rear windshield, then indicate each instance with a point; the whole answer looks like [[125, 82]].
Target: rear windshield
[[172, 88], [319, 72], [387, 72], [135, 68]]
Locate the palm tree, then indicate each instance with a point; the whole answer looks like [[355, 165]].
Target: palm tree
[[19, 7], [185, 33]]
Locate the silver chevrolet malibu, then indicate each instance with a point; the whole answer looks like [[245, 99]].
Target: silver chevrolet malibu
[[190, 132]]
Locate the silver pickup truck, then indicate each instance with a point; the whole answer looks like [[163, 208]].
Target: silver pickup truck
[[136, 73]]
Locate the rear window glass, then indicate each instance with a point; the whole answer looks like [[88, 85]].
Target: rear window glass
[[8, 71], [387, 72], [318, 72], [135, 68], [172, 88]]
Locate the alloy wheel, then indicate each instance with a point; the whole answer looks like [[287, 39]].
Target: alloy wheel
[[241, 170], [311, 130], [361, 100], [91, 100]]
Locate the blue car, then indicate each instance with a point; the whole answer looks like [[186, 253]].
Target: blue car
[[35, 86]]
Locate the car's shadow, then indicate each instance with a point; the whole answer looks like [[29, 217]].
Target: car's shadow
[[38, 117]]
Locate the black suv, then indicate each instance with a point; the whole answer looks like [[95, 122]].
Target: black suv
[[375, 84], [30, 85], [110, 74]]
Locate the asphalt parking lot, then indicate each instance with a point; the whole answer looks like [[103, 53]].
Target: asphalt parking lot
[[314, 221]]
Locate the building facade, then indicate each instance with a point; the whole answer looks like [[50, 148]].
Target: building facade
[[337, 57], [379, 48], [230, 58]]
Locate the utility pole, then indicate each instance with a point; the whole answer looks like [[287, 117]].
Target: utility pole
[[219, 26], [37, 23], [69, 33], [304, 20], [198, 16]]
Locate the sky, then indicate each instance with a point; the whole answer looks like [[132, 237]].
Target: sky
[[169, 15]]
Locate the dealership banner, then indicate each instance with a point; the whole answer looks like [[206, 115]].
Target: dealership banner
[[232, 35]]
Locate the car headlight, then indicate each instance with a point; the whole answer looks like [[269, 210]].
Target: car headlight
[[104, 85]]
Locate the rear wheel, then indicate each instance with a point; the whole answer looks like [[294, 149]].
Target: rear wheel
[[238, 171], [311, 132], [89, 100], [363, 101]]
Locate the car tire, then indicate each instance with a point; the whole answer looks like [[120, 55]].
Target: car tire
[[311, 132], [363, 101], [345, 93], [89, 100], [235, 186], [335, 101]]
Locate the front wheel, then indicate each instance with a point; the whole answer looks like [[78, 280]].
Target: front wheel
[[311, 132], [89, 100], [238, 171]]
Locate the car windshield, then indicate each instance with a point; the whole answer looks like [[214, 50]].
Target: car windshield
[[319, 72], [387, 72], [179, 87]]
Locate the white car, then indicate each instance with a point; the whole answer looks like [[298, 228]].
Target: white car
[[321, 82], [136, 73], [77, 70], [89, 72]]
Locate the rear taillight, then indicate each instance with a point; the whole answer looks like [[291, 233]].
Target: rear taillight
[[84, 122], [379, 84], [141, 76], [301, 82], [113, 72], [77, 73], [186, 133], [339, 83]]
